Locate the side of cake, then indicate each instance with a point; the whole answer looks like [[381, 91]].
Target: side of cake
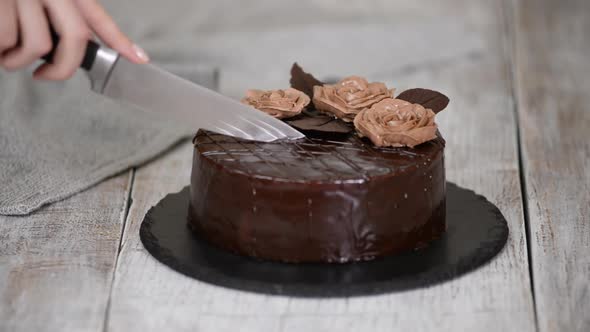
[[317, 200]]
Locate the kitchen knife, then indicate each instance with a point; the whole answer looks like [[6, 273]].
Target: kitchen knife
[[153, 89]]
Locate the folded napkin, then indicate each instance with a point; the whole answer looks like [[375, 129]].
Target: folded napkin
[[58, 138]]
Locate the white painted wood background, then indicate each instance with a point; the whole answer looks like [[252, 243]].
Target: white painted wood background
[[517, 72], [552, 81]]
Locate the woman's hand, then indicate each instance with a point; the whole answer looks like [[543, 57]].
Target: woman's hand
[[25, 36]]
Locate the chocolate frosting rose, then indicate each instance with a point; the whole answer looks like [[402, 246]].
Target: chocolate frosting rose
[[348, 97], [278, 103], [396, 122]]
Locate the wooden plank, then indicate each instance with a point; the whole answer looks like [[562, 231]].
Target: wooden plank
[[552, 67], [56, 265], [468, 60]]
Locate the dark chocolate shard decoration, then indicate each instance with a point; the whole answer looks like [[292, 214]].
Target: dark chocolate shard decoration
[[303, 81], [317, 125], [321, 123], [434, 100]]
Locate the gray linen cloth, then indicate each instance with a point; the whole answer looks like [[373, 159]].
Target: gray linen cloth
[[58, 138]]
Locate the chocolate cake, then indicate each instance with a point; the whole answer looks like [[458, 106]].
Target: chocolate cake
[[316, 200], [367, 181]]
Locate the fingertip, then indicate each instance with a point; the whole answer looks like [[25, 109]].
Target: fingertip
[[136, 54], [39, 73], [47, 72], [10, 61], [141, 54], [131, 51]]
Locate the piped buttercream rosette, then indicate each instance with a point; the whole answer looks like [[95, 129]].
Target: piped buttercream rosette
[[278, 103], [349, 96], [396, 123]]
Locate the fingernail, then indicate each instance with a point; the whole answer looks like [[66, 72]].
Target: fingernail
[[141, 54]]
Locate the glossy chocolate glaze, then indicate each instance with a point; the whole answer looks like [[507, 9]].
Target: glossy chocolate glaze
[[316, 200]]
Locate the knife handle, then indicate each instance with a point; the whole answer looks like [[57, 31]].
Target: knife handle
[[91, 49]]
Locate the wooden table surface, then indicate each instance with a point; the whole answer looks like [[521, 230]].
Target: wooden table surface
[[518, 74]]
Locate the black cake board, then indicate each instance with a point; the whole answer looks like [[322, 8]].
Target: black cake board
[[476, 232]]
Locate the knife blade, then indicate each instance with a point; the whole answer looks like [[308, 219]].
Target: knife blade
[[153, 89]]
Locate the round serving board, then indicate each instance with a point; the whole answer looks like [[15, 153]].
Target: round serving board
[[476, 232]]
